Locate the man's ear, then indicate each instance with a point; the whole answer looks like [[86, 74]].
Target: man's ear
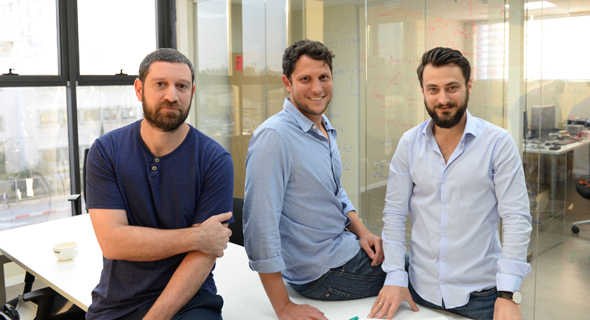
[[138, 88], [469, 83], [287, 83]]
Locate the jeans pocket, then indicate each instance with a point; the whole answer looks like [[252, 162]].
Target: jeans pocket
[[484, 293], [333, 294]]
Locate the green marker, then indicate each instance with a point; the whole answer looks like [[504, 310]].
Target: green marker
[[354, 318]]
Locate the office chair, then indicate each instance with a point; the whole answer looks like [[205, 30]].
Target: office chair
[[50, 304], [237, 235], [583, 188]]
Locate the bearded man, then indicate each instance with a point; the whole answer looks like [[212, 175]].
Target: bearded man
[[158, 193], [456, 175]]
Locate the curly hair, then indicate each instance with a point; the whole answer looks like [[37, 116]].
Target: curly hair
[[314, 49], [439, 57]]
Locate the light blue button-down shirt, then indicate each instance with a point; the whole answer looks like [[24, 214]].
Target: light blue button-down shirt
[[456, 208], [294, 207]]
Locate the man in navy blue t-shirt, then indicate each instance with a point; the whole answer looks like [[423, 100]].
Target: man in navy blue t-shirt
[[159, 194]]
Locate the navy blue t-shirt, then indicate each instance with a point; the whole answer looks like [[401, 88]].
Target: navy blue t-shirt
[[184, 187]]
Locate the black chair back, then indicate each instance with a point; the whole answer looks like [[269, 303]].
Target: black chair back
[[237, 235]]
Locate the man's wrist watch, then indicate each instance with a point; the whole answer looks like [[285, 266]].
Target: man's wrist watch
[[515, 297]]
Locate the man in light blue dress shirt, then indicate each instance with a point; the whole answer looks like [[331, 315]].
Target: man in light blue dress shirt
[[456, 175], [295, 210]]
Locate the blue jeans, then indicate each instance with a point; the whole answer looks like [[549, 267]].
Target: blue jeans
[[480, 305], [355, 279], [204, 305]]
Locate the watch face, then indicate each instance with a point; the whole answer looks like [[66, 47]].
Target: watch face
[[517, 297]]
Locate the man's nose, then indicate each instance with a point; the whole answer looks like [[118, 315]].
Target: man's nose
[[443, 98], [316, 87], [171, 94]]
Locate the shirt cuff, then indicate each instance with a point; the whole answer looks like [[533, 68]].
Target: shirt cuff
[[273, 265], [508, 282], [511, 274], [397, 278]]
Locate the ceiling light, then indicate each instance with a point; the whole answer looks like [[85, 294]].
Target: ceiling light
[[537, 5]]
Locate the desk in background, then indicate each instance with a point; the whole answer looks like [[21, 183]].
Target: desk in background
[[563, 149]]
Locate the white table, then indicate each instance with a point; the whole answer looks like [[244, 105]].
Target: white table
[[31, 247], [254, 304]]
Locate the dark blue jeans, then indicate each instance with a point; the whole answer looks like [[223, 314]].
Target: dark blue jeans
[[354, 280], [204, 305], [480, 305]]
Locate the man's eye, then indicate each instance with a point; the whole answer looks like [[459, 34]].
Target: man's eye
[[159, 84]]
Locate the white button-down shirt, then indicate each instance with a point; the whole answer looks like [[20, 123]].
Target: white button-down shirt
[[455, 209]]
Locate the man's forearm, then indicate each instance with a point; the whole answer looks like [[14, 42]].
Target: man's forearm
[[275, 290], [133, 243], [356, 226], [120, 241], [184, 284]]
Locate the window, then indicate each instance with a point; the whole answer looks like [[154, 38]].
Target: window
[[28, 41], [49, 50]]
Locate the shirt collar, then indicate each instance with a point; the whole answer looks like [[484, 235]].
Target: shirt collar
[[304, 123], [471, 127]]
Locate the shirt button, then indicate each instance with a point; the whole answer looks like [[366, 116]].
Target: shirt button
[[444, 234], [154, 168], [314, 126], [443, 282], [444, 207], [443, 258], [157, 159]]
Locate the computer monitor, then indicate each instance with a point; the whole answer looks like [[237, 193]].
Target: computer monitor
[[543, 120]]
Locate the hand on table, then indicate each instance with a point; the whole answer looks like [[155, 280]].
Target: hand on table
[[389, 299], [292, 311], [505, 309]]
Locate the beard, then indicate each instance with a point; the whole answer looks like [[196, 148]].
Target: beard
[[448, 121], [165, 121], [303, 106]]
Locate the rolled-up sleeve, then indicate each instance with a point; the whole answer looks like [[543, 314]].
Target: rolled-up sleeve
[[513, 208], [397, 199], [268, 167]]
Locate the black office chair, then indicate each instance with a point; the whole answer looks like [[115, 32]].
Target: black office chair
[[583, 188], [50, 304], [237, 235]]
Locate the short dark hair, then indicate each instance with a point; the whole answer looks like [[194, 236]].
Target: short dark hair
[[167, 55], [314, 49], [439, 57]]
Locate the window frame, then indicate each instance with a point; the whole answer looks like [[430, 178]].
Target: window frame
[[69, 74]]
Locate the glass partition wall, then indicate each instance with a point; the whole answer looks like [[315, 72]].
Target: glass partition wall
[[529, 77]]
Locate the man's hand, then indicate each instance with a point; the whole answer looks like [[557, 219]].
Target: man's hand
[[213, 235], [293, 311], [389, 299], [505, 309], [370, 242]]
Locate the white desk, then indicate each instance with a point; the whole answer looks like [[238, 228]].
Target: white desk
[[253, 304], [31, 247]]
